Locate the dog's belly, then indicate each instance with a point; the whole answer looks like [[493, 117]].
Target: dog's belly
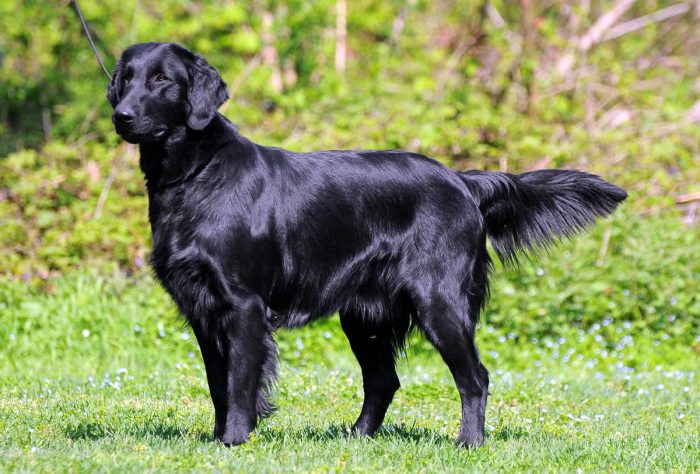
[[364, 295]]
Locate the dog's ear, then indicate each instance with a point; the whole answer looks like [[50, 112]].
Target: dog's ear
[[114, 91], [206, 92]]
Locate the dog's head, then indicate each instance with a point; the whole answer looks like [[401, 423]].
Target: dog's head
[[160, 87]]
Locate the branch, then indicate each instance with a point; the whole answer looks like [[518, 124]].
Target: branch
[[268, 53], [399, 22], [108, 182], [341, 33], [595, 33], [242, 76], [642, 21], [686, 198]]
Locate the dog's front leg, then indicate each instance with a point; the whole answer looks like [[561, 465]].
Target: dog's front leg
[[242, 334], [215, 365], [235, 351]]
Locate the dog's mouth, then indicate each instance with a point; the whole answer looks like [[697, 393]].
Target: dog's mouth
[[160, 131], [138, 136]]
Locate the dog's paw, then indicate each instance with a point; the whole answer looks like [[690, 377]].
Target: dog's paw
[[235, 438], [471, 442]]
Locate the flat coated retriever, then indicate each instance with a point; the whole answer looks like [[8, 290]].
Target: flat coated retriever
[[248, 238]]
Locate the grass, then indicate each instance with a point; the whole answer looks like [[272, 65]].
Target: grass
[[98, 373], [537, 421]]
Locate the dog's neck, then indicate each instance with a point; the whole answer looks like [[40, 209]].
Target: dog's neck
[[183, 154]]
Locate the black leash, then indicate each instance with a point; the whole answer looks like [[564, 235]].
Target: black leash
[[92, 45]]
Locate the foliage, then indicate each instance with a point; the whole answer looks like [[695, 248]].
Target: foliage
[[628, 270], [49, 214], [446, 78]]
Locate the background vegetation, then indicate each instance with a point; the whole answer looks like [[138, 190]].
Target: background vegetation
[[595, 344]]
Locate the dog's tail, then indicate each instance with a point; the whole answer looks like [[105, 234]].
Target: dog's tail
[[531, 210]]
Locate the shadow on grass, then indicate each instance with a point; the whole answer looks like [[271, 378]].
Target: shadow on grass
[[389, 432], [88, 430], [94, 431], [507, 432], [333, 432]]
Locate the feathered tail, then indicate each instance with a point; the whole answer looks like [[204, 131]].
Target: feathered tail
[[531, 210]]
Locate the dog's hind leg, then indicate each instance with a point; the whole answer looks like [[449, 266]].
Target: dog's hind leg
[[374, 347], [444, 320]]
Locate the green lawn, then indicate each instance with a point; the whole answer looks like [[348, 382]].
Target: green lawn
[[100, 374]]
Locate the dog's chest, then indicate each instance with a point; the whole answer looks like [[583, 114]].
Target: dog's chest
[[183, 264]]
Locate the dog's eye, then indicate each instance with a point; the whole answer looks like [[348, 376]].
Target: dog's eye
[[161, 78], [127, 78]]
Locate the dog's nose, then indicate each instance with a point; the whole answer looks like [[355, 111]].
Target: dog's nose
[[123, 115]]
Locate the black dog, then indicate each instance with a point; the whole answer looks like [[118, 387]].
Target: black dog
[[248, 238]]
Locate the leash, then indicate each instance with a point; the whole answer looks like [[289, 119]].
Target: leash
[[92, 45]]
